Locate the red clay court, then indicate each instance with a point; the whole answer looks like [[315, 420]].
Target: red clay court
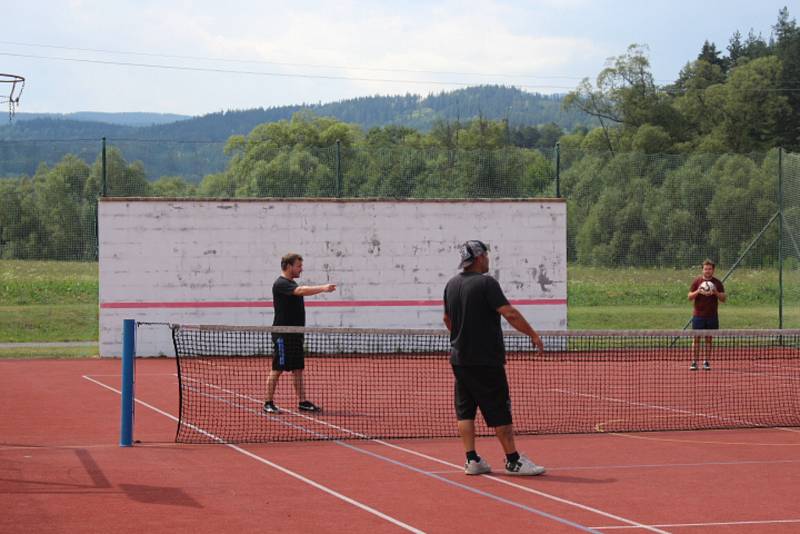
[[61, 470]]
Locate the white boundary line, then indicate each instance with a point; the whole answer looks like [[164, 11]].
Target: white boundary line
[[652, 466], [645, 405], [440, 461], [692, 525], [118, 375], [759, 374], [279, 468], [282, 421], [629, 522], [659, 466]]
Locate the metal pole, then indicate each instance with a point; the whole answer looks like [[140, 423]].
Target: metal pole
[[780, 237], [558, 170], [103, 191], [128, 355], [96, 216], [104, 172], [338, 168]]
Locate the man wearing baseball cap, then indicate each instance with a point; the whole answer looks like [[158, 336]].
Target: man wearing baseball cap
[[473, 304]]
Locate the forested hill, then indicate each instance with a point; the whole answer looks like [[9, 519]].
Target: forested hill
[[490, 102], [124, 119]]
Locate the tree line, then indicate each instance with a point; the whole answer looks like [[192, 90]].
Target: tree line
[[747, 100], [412, 110]]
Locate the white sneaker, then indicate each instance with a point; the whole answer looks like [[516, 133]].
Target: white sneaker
[[524, 467], [477, 468]]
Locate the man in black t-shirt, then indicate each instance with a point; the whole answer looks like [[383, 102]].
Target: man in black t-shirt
[[290, 310], [473, 304]]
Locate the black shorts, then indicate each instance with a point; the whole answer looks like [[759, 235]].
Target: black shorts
[[289, 355], [482, 387], [705, 323]]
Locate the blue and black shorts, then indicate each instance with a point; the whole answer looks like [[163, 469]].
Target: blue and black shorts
[[705, 323], [289, 355]]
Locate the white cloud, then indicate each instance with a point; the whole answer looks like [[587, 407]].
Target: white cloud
[[515, 41], [467, 41]]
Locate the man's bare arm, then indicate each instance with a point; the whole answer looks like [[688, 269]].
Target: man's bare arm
[[307, 291], [518, 321]]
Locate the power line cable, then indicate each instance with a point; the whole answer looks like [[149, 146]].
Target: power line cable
[[263, 73], [330, 77], [290, 64]]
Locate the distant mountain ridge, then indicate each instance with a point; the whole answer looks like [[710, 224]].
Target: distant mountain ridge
[[122, 118], [415, 111]]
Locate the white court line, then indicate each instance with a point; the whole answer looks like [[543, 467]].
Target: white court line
[[440, 461], [278, 467], [631, 523], [649, 436], [759, 374], [118, 375], [282, 421], [791, 369], [716, 524], [657, 466], [551, 469], [258, 413], [658, 407]]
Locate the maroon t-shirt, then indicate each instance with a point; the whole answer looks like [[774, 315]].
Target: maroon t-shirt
[[706, 305]]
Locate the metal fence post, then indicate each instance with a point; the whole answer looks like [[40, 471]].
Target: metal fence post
[[104, 190], [103, 193], [780, 237], [338, 168], [558, 170]]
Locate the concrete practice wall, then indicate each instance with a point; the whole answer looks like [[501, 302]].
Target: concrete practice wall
[[214, 261]]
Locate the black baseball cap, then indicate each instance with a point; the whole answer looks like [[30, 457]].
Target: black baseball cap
[[471, 250]]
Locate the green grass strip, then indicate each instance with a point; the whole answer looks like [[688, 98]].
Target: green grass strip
[[47, 282], [58, 353], [48, 322]]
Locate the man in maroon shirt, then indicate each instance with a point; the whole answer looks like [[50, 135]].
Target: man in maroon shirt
[[706, 292]]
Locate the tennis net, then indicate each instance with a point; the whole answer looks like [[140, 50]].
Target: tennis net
[[399, 384]]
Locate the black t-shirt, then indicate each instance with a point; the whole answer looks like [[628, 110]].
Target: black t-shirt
[[471, 301], [290, 310]]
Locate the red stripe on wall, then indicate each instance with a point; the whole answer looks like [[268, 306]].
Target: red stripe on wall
[[310, 304]]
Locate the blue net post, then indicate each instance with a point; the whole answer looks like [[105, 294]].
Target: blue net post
[[128, 354]]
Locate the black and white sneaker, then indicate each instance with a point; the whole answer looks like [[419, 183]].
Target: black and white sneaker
[[269, 407], [524, 467], [693, 367], [308, 406], [477, 468], [706, 366]]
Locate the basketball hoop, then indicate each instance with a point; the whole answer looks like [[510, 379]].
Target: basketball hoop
[[11, 87]]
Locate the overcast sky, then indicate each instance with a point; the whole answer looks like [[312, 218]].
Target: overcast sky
[[201, 56]]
